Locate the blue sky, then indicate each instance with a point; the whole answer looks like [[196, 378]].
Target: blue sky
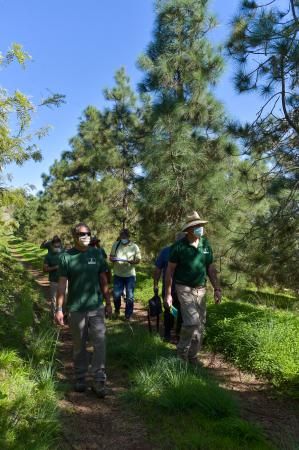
[[76, 48]]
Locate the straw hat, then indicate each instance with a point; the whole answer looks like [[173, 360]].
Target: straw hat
[[193, 219]]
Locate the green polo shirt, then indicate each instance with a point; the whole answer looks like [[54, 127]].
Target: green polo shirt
[[52, 259], [192, 263], [82, 270]]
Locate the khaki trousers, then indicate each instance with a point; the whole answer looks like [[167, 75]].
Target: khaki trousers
[[193, 310]]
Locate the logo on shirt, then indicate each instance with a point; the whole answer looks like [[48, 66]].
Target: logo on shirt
[[206, 251], [91, 261]]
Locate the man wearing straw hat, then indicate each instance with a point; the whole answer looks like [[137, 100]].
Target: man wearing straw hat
[[190, 263]]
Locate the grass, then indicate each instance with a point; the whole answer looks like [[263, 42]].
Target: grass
[[28, 401], [267, 297], [257, 331], [258, 339], [182, 407], [29, 252]]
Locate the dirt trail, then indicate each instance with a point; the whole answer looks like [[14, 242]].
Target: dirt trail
[[91, 424]]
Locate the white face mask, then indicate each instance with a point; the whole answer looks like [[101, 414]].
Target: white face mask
[[198, 231], [56, 249], [84, 240], [124, 241]]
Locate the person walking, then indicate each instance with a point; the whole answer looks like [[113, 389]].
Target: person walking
[[160, 270], [190, 263], [84, 269], [51, 265], [124, 255], [48, 243]]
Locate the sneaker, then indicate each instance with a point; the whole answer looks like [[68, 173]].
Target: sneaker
[[129, 319], [80, 385], [100, 389]]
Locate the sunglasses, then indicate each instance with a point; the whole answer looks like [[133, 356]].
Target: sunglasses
[[84, 233]]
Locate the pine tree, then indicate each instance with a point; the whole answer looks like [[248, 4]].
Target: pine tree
[[188, 158], [95, 180], [264, 43]]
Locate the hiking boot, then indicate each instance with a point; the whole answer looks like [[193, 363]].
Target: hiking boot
[[80, 385], [100, 389]]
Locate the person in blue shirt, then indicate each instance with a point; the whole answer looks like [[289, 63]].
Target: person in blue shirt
[[160, 269]]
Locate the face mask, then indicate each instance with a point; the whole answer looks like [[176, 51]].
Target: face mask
[[198, 231], [56, 249], [84, 240], [124, 241]]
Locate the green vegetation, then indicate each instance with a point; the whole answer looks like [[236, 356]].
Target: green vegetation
[[257, 339], [264, 45], [28, 402], [29, 252], [172, 396], [266, 297]]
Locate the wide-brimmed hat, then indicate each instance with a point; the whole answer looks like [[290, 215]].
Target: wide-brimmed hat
[[193, 219]]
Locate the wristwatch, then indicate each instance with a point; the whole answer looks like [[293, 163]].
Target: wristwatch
[[59, 308]]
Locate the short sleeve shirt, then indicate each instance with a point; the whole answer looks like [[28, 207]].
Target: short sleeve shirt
[[192, 263], [128, 252], [82, 270], [52, 259]]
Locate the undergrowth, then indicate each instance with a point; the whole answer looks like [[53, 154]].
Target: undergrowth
[[28, 402], [257, 339], [182, 407]]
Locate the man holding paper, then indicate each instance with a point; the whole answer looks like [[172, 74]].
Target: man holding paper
[[124, 255]]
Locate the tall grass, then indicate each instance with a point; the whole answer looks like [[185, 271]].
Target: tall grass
[[28, 402], [183, 408], [258, 339]]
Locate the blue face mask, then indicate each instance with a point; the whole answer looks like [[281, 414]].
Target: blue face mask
[[198, 231], [124, 241]]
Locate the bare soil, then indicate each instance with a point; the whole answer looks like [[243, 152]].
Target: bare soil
[[90, 423]]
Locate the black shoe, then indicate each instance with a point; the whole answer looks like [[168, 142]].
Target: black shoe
[[80, 385], [100, 389]]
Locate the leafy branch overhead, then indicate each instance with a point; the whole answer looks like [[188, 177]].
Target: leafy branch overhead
[[17, 141]]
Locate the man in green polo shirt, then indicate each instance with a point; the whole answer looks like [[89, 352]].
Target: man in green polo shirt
[[51, 264], [190, 263], [84, 269]]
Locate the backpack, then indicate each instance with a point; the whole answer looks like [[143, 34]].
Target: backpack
[[154, 310]]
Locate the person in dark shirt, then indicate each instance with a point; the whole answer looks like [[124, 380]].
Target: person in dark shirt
[[48, 243], [190, 263], [51, 264], [84, 269], [160, 270]]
